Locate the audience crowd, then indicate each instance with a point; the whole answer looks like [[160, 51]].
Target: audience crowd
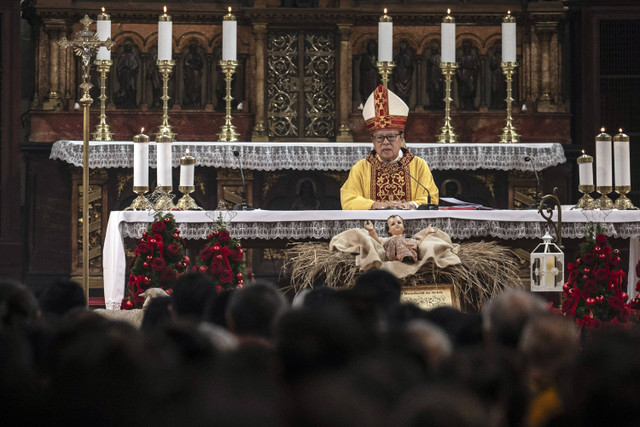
[[356, 357]]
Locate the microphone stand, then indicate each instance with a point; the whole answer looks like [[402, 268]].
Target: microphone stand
[[427, 206], [244, 206]]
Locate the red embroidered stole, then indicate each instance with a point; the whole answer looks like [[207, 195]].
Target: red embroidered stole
[[389, 181]]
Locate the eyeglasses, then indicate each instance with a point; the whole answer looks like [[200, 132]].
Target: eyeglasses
[[389, 138]]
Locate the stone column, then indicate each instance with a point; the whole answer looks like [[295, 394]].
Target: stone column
[[54, 29], [259, 132], [344, 132]]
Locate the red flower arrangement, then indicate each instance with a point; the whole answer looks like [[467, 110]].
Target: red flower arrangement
[[222, 258], [594, 294], [158, 260]]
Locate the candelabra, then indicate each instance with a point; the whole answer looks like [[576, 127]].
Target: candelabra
[[509, 133], [586, 201], [447, 135], [603, 202], [385, 68], [165, 66], [140, 203], [85, 44], [228, 131], [186, 202], [102, 132], [623, 203]]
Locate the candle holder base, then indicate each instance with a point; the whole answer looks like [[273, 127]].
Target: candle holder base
[[140, 203], [586, 202], [186, 202], [447, 135], [228, 131], [165, 199], [604, 202], [509, 134], [623, 203]]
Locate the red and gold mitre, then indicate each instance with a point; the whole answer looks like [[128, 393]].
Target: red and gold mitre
[[385, 110]]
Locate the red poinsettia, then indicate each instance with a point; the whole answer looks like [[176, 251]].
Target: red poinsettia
[[593, 293], [158, 260]]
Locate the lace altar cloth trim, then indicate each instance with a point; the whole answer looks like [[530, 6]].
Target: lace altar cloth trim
[[459, 225], [270, 156]]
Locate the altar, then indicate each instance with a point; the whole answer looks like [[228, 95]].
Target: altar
[[322, 225]]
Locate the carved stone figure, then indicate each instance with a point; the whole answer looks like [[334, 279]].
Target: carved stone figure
[[467, 76], [154, 76], [435, 81], [403, 73], [193, 65], [369, 77], [498, 82], [127, 71]]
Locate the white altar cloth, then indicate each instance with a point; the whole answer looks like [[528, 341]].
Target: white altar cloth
[[341, 156], [293, 225]]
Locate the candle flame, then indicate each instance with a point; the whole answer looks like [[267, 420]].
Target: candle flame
[[620, 130], [508, 12], [141, 130], [385, 10], [229, 10], [602, 129], [164, 9], [583, 152], [103, 10], [448, 11], [187, 151]]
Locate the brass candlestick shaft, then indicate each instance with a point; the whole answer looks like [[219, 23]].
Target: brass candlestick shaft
[[385, 68], [186, 202], [102, 132], [165, 66], [140, 203], [623, 203], [509, 133], [447, 135], [586, 201], [228, 131], [85, 44], [603, 202]]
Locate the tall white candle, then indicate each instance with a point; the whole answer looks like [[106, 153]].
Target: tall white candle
[[585, 169], [141, 160], [103, 29], [448, 38], [621, 160], [187, 169], [164, 36], [603, 159], [385, 38], [509, 38], [229, 37], [163, 163]]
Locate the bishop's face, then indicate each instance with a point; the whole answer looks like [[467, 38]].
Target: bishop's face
[[387, 143]]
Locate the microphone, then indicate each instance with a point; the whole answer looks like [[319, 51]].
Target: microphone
[[535, 172], [244, 206], [427, 206]]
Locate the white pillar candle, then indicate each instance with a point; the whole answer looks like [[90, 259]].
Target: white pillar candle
[[103, 30], [509, 38], [448, 38], [163, 161], [187, 169], [229, 37], [141, 160], [621, 160], [385, 38], [164, 36], [603, 159], [585, 169]]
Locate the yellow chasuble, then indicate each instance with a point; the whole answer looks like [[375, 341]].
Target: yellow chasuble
[[372, 180]]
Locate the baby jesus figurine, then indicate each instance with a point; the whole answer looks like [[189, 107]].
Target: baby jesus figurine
[[398, 247]]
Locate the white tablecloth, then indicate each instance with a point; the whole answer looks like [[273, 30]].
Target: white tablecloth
[[292, 225], [270, 156]]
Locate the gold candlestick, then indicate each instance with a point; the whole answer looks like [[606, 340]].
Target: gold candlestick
[[603, 202], [586, 201], [165, 66], [102, 132], [186, 202], [447, 135], [509, 133], [228, 131], [85, 44], [623, 203], [385, 68], [140, 203]]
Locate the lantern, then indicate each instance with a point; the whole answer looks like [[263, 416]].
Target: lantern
[[547, 266]]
